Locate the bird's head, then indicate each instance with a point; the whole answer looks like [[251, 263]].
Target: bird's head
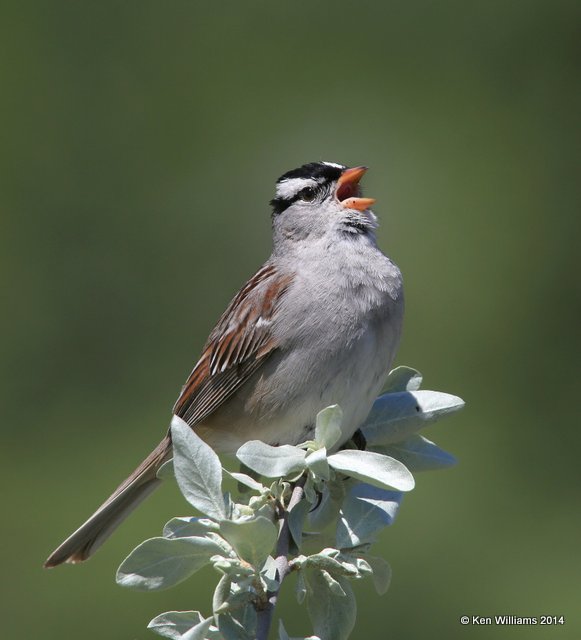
[[319, 199]]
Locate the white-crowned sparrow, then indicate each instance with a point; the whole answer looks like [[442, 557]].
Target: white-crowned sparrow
[[317, 325]]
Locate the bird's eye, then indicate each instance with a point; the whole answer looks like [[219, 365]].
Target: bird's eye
[[308, 194]]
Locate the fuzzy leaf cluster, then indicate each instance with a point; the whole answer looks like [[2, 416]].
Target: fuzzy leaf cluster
[[350, 495]]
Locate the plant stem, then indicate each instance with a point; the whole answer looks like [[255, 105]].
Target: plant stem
[[264, 615]]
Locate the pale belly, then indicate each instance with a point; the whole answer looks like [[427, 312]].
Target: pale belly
[[279, 404]]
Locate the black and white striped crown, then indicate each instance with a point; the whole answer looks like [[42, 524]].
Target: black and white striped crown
[[312, 174]]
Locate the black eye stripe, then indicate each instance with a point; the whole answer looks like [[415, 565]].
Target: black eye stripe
[[321, 191], [281, 204]]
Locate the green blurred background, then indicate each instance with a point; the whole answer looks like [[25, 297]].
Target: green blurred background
[[139, 146]]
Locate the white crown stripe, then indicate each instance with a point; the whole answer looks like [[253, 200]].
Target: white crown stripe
[[291, 186]]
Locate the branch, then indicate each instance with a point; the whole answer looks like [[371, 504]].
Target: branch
[[264, 615]]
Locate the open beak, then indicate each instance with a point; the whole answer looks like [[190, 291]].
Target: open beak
[[348, 190]]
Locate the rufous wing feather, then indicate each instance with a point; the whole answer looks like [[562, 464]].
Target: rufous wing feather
[[236, 348]]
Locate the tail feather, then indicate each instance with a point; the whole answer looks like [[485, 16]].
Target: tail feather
[[83, 543]]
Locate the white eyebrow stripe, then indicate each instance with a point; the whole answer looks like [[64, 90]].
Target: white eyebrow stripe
[[333, 164], [291, 186]]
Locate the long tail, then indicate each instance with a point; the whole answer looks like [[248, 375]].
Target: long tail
[[83, 543]]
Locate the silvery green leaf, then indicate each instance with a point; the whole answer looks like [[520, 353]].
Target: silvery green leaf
[[365, 511], [246, 615], [198, 470], [328, 426], [220, 563], [328, 509], [313, 541], [347, 559], [233, 567], [325, 561], [199, 631], [317, 463], [219, 539], [283, 635], [418, 454], [165, 472], [403, 379], [298, 562], [173, 624], [231, 629], [311, 494], [252, 539], [269, 574], [159, 563], [374, 468], [187, 527], [381, 573], [267, 511], [243, 593], [301, 587], [395, 416], [247, 481], [272, 462], [332, 616], [230, 506], [296, 520], [269, 568], [334, 587], [243, 510], [221, 593], [363, 567]]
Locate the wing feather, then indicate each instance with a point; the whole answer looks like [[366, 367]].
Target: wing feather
[[238, 345]]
